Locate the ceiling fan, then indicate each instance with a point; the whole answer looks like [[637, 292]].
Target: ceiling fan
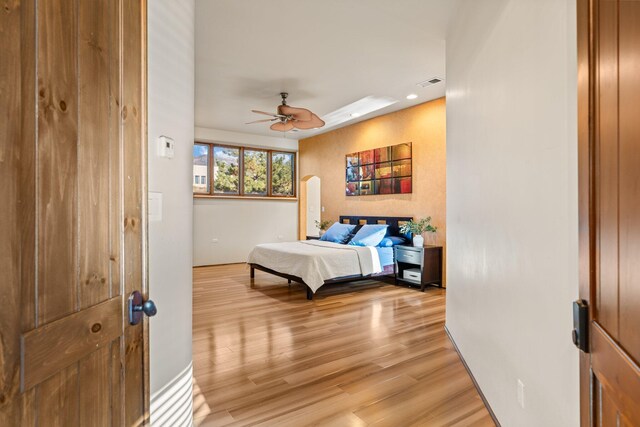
[[288, 118]]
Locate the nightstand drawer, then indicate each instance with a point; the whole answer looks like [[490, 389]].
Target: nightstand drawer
[[411, 257], [412, 274]]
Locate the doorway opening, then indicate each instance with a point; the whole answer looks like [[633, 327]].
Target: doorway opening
[[310, 208]]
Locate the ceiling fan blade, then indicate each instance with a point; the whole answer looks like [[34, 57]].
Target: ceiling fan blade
[[301, 114], [279, 116], [261, 121], [315, 122], [282, 126]]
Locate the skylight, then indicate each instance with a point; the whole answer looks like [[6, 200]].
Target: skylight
[[357, 109]]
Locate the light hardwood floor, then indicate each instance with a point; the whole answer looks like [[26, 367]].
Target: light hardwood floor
[[361, 354]]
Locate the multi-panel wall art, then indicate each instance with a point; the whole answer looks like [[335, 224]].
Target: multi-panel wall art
[[384, 170]]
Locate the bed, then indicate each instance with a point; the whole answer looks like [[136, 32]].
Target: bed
[[316, 263]]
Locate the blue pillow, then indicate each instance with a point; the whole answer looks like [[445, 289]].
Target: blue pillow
[[397, 240], [385, 243], [392, 241], [338, 233], [369, 235]]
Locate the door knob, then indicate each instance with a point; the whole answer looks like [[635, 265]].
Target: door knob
[[138, 307]]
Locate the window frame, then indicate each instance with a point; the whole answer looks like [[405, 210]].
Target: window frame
[[270, 168], [208, 170], [241, 194], [268, 172], [212, 193]]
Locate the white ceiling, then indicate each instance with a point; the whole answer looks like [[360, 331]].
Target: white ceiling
[[325, 53]]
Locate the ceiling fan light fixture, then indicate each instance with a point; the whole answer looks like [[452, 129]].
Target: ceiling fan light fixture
[[282, 126], [291, 117]]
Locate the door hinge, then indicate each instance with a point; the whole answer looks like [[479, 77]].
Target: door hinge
[[580, 334]]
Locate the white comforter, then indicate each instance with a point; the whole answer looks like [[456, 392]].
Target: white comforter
[[315, 261]]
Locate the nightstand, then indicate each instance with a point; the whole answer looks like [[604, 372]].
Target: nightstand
[[313, 237], [419, 266]]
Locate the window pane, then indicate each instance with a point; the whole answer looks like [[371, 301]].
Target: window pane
[[282, 166], [200, 168], [226, 173], [255, 172]]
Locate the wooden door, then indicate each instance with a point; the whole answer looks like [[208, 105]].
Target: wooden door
[[72, 223], [609, 90]]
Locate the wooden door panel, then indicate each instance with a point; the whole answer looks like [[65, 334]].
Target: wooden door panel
[[618, 172], [56, 173], [115, 148], [78, 334], [618, 376], [96, 383], [608, 414], [56, 402], [607, 145], [615, 230], [96, 166], [17, 192], [134, 173], [72, 132], [629, 170]]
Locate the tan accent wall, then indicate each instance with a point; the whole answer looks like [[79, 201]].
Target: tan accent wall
[[423, 125]]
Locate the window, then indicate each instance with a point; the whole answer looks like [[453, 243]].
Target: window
[[200, 168], [282, 174], [255, 173], [228, 171]]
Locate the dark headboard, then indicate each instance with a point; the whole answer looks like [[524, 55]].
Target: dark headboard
[[394, 223]]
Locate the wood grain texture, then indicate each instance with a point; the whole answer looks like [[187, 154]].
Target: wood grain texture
[[133, 117], [629, 181], [94, 380], [618, 375], [115, 149], [117, 395], [94, 52], [15, 158], [57, 399], [607, 164], [614, 27], [366, 353], [60, 155], [57, 159], [96, 28], [115, 204], [58, 344]]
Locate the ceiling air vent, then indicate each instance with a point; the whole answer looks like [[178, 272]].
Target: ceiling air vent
[[430, 82]]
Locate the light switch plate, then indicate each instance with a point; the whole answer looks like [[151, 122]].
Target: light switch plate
[[155, 206]]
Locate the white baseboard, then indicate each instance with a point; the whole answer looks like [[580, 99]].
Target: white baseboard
[[172, 405]]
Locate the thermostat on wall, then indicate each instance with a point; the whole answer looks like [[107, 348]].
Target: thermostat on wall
[[165, 146]]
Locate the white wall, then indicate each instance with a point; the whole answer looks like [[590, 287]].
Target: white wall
[[225, 231], [512, 221], [171, 113]]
